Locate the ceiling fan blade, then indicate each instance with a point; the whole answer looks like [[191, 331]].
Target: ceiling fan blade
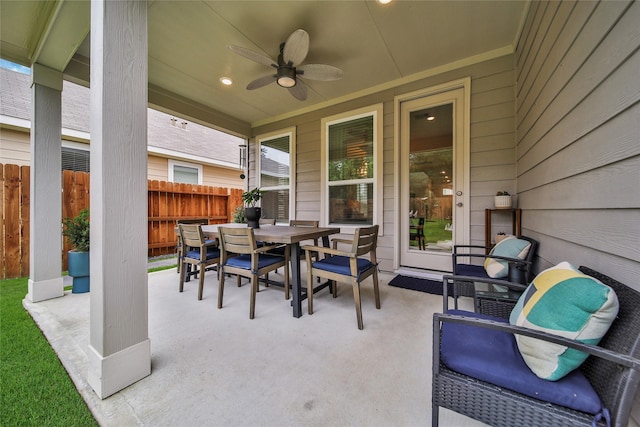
[[299, 91], [296, 47], [262, 81], [319, 72], [254, 56]]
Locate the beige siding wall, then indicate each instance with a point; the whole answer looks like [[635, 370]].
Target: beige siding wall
[[14, 147], [158, 168], [578, 136], [578, 89], [222, 177], [492, 145]]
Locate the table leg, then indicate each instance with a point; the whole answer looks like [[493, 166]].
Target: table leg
[[296, 281]]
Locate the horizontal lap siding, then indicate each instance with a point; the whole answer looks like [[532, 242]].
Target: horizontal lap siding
[[577, 134], [14, 147], [492, 146]]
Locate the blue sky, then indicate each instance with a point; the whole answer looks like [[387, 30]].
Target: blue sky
[[14, 67]]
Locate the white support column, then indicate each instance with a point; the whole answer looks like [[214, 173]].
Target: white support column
[[119, 349], [45, 249]]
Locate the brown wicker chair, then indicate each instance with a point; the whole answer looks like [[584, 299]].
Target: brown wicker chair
[[612, 369], [520, 271]]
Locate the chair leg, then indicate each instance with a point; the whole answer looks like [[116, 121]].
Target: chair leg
[[220, 287], [201, 282], [309, 291], [254, 289], [356, 300], [182, 278], [434, 415], [334, 288], [287, 283], [376, 291]]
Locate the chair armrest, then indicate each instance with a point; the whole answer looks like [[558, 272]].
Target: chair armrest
[[338, 240], [504, 258], [268, 248], [213, 244], [456, 247], [594, 350], [455, 279], [328, 251]]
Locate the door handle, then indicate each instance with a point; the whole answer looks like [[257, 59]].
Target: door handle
[[459, 204]]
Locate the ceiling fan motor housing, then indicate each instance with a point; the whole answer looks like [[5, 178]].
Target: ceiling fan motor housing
[[286, 72]]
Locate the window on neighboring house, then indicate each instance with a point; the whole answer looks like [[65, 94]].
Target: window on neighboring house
[[276, 172], [351, 162], [186, 173], [75, 159]]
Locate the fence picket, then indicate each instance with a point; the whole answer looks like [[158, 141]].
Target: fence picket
[[167, 203]]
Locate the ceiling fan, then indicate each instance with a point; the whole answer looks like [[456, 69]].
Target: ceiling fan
[[288, 68]]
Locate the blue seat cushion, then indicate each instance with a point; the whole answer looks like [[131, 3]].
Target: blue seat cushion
[[211, 253], [471, 270], [340, 265], [244, 261], [493, 356]]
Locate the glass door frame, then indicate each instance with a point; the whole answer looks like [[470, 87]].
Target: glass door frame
[[462, 178]]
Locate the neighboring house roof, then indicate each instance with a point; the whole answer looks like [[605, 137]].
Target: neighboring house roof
[[166, 135]]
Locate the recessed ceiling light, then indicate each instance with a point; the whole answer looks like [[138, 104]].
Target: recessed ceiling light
[[226, 81], [384, 1]]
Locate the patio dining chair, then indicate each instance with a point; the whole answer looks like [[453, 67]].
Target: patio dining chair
[[346, 266], [197, 252], [416, 232], [179, 246], [242, 256]]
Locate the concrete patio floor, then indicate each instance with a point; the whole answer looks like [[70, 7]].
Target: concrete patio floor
[[219, 368]]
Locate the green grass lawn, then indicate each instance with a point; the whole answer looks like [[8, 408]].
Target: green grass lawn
[[35, 389]]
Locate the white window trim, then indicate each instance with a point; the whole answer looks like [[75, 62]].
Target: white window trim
[[376, 111], [291, 133], [173, 163]]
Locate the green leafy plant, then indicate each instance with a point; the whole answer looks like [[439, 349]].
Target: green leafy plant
[[238, 215], [251, 197], [77, 230]]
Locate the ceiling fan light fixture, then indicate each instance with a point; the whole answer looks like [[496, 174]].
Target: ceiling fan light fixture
[[286, 77]]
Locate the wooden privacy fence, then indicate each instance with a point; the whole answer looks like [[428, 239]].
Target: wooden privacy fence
[[168, 203]]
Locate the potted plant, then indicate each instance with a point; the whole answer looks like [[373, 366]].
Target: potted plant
[[251, 212], [238, 215], [502, 200], [76, 230]]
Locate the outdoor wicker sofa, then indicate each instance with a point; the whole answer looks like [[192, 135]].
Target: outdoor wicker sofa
[[612, 369]]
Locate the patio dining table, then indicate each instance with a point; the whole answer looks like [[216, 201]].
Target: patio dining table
[[288, 235]]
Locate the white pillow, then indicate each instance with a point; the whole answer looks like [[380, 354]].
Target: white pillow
[[511, 247]]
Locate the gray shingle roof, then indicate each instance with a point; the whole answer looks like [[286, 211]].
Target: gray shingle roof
[[195, 140]]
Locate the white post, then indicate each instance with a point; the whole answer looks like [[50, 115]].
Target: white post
[[119, 349], [45, 215]]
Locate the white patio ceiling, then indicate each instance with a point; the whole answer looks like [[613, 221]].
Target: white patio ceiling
[[375, 45]]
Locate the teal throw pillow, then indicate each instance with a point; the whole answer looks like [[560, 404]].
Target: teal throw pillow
[[562, 301], [511, 247]]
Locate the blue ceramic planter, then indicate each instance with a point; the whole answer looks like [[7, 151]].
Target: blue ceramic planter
[[79, 270]]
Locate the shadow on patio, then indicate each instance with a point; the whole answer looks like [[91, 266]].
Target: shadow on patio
[[218, 367]]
